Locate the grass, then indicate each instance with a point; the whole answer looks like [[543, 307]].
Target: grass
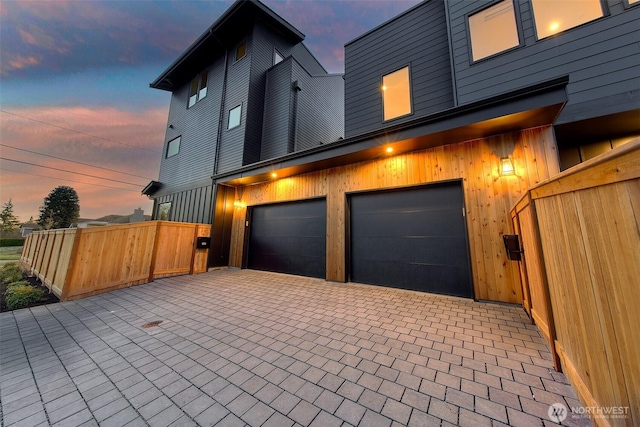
[[10, 254]]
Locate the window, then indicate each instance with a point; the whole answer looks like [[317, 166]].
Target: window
[[241, 51], [234, 117], [556, 16], [396, 94], [493, 30], [633, 1], [198, 88], [164, 209], [173, 147], [277, 58]]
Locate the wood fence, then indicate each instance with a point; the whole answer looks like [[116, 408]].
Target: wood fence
[[581, 267], [78, 262]]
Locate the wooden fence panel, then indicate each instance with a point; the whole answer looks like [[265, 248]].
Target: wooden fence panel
[[175, 245], [589, 228]]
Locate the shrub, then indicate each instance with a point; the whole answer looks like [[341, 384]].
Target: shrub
[[10, 273], [22, 294], [11, 242]]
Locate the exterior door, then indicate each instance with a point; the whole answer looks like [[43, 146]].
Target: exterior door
[[412, 238]]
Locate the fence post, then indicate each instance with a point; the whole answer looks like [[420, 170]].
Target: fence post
[[72, 264], [155, 251]]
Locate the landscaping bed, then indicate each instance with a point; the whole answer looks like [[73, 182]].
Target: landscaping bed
[[31, 281]]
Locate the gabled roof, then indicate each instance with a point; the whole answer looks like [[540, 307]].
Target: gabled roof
[[232, 25]]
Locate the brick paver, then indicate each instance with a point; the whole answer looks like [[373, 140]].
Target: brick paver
[[241, 347]]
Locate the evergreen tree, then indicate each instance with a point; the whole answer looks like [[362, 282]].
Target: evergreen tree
[[61, 208], [8, 221]]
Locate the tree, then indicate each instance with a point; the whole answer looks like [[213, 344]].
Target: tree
[[61, 208], [8, 221]]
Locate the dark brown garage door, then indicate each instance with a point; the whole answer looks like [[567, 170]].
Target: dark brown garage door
[[412, 239], [289, 238]]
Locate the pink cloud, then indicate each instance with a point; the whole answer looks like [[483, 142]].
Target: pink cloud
[[19, 63], [142, 134]]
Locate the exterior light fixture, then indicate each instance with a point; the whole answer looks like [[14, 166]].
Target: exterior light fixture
[[506, 167], [389, 150], [274, 175], [238, 204]]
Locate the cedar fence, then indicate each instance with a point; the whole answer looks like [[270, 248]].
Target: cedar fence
[[580, 272], [79, 262]]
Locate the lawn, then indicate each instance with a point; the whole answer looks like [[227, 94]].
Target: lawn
[[11, 253]]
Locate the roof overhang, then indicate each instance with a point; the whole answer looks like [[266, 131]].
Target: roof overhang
[[530, 107], [226, 30], [151, 188]]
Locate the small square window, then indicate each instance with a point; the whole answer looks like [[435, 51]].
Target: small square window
[[277, 58], [173, 147], [241, 51], [164, 211], [493, 30], [396, 94], [553, 17], [235, 115]]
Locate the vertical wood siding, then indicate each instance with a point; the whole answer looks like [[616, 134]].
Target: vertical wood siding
[[601, 58], [488, 198]]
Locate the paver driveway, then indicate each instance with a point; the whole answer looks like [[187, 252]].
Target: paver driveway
[[241, 347]]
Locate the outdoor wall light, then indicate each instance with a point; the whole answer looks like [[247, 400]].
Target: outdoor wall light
[[506, 167], [389, 150], [274, 175], [238, 204]]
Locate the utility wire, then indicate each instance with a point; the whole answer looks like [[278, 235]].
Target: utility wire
[[69, 180], [77, 173], [78, 132], [73, 161]]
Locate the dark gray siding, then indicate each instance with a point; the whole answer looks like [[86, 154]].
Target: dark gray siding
[[232, 140], [277, 111], [198, 128], [417, 38], [193, 205], [602, 59], [319, 108], [304, 56]]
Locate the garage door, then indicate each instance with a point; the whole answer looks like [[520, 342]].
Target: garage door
[[411, 239], [289, 238]]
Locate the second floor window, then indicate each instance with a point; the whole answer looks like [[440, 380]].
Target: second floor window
[[552, 17], [198, 88], [493, 30], [235, 114], [396, 94], [173, 147]]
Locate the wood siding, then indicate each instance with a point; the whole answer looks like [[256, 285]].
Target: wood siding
[[417, 38], [589, 229], [76, 263], [488, 198], [601, 59]]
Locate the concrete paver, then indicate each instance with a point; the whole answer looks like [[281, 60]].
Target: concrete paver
[[242, 347]]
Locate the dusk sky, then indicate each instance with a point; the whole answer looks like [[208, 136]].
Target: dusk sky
[[75, 96]]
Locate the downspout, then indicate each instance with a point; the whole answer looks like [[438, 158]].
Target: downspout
[[222, 104], [293, 133], [454, 81]]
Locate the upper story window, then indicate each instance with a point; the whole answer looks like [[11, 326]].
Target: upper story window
[[164, 211], [235, 114], [396, 94], [241, 51], [553, 17], [173, 147], [493, 30], [277, 58], [198, 88]]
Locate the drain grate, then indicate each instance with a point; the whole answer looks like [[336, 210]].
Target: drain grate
[[152, 324]]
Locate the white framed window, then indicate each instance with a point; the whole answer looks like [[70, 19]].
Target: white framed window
[[173, 147], [493, 30], [198, 88], [164, 211], [241, 51], [277, 58], [396, 94], [552, 17], [235, 115]]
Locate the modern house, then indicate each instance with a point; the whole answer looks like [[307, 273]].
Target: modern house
[[452, 110]]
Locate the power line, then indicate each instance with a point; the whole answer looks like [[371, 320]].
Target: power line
[[77, 173], [78, 132], [69, 180], [73, 161]]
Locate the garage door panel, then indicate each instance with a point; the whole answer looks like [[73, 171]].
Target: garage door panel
[[412, 239], [289, 238]]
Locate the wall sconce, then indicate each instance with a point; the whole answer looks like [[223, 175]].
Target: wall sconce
[[506, 167], [238, 204]]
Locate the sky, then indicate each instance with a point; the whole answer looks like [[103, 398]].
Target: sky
[[76, 108]]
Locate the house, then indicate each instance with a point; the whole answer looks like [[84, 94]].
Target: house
[[247, 90], [452, 110]]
